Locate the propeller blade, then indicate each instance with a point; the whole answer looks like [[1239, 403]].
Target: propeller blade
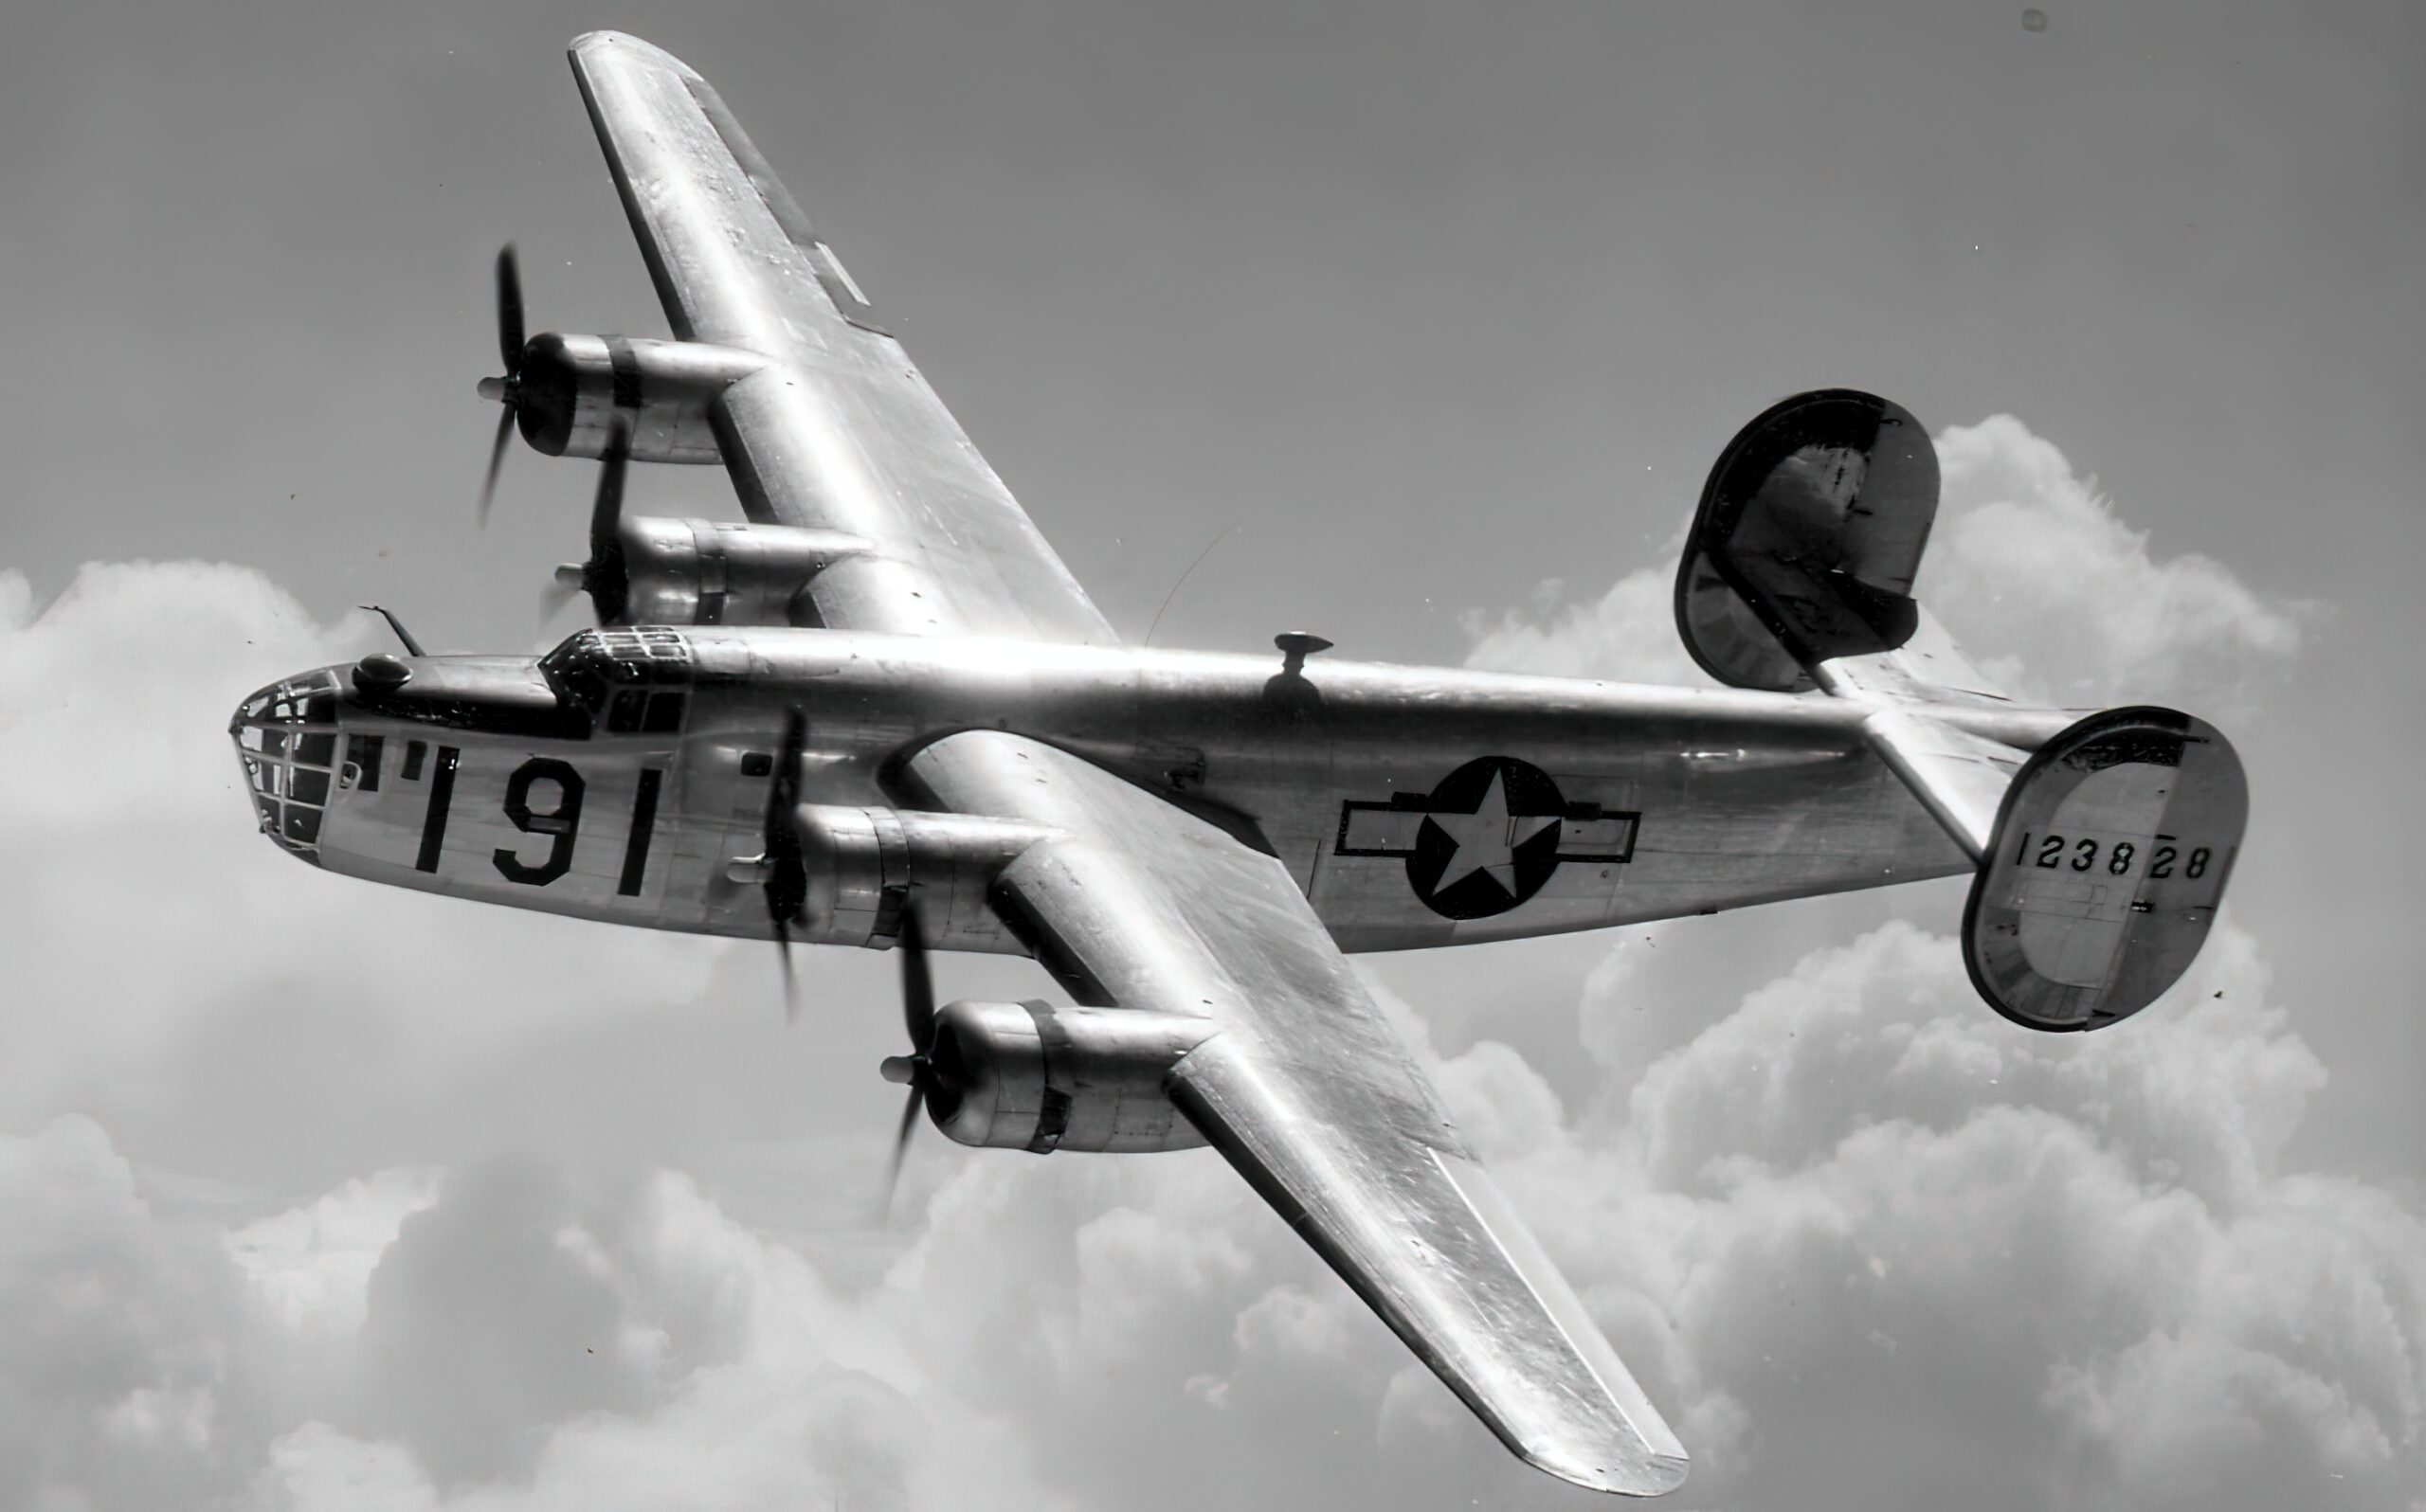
[[606, 510], [509, 309], [786, 878], [918, 982], [783, 795], [496, 461], [603, 576], [901, 1145], [791, 981], [556, 596]]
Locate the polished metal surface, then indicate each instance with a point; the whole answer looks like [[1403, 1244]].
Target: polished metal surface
[[1356, 776], [1030, 1077], [884, 714], [1304, 1089], [679, 571], [2107, 868], [576, 392], [861, 865], [1807, 539], [839, 431]]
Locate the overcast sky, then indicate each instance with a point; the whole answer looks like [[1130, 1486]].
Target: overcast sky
[[320, 1194]]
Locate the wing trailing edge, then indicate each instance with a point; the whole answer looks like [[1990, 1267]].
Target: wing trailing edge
[[1433, 1245], [1302, 1087], [837, 431]]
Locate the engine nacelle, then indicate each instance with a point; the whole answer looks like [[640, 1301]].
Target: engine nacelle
[[573, 392], [863, 863], [709, 572], [1026, 1076]]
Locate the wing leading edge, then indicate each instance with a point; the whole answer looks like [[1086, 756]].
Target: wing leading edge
[[839, 431], [1307, 1092]]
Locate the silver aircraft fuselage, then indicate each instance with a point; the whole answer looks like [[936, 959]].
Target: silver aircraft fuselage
[[625, 776]]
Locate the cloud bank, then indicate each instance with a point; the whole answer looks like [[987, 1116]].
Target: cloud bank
[[555, 1221], [2028, 566]]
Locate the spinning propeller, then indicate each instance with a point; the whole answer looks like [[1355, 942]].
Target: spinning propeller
[[603, 577], [916, 1070], [506, 390], [787, 882]]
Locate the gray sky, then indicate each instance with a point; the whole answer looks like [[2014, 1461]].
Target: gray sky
[[1433, 304]]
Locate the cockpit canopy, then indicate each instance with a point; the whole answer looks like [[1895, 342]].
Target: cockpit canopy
[[614, 681], [627, 681]]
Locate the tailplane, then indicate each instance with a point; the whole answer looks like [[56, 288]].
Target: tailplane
[[2103, 843]]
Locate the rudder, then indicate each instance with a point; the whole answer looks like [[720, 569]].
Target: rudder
[[2109, 858], [2103, 844]]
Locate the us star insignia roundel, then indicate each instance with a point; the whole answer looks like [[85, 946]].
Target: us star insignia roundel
[[1488, 837]]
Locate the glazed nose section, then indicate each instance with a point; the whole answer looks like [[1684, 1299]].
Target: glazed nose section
[[286, 736]]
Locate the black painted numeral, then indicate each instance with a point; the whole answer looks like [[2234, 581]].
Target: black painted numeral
[[2163, 866], [559, 823], [2120, 861], [2196, 865], [2050, 850], [2083, 855], [644, 823], [441, 793]]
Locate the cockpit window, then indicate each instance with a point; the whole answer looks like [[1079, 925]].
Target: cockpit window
[[287, 737], [628, 681]]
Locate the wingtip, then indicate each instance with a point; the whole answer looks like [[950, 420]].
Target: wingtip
[[591, 44], [1649, 1475]]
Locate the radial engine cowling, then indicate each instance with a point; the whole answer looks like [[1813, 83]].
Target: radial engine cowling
[[571, 393], [1027, 1076], [710, 572], [860, 865]]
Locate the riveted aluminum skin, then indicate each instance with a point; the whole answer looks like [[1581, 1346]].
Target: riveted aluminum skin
[[863, 864], [840, 430], [1728, 798], [1306, 1090], [2108, 866], [1027, 1076], [577, 392], [1188, 842], [685, 571]]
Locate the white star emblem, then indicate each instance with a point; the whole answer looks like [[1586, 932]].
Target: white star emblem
[[1487, 839]]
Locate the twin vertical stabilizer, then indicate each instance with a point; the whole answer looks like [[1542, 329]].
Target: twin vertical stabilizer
[[2103, 846]]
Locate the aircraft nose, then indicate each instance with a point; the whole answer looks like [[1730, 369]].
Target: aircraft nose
[[286, 736]]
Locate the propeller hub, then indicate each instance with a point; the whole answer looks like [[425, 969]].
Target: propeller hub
[[508, 389], [904, 1070]]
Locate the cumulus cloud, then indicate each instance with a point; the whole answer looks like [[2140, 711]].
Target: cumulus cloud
[[312, 1263], [167, 978], [112, 1365], [1628, 633], [2004, 1269], [288, 1231], [2029, 567]]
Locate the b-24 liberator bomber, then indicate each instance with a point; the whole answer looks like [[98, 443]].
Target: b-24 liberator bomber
[[882, 714]]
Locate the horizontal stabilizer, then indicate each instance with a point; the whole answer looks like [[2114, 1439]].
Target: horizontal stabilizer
[[2106, 865], [1961, 778], [2103, 845]]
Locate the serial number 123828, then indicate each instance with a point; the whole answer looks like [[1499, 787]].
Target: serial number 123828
[[2052, 852]]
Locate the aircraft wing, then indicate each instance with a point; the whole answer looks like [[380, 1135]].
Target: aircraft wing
[[840, 431], [1136, 904]]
